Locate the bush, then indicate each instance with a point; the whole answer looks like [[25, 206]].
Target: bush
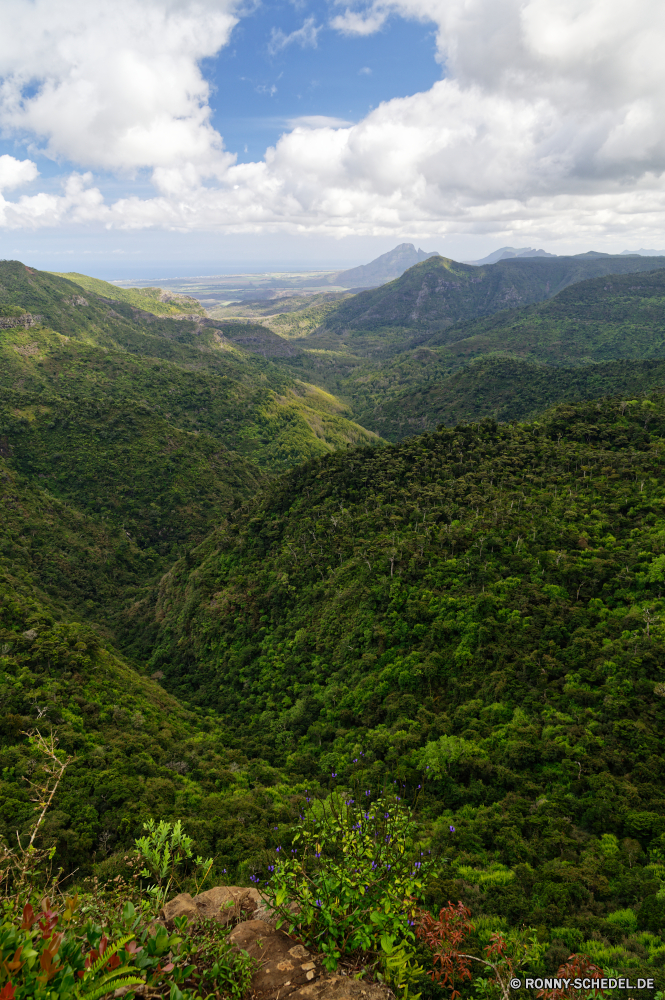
[[355, 874]]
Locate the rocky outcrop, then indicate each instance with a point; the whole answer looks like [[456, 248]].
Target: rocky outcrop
[[229, 904], [289, 969], [285, 965], [26, 320], [331, 987]]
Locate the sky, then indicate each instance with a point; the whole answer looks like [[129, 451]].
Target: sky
[[181, 137]]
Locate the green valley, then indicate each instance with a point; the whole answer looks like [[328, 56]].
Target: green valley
[[249, 559]]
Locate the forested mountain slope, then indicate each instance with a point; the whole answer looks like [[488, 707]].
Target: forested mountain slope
[[439, 293], [479, 610], [485, 601], [137, 753], [154, 300], [616, 323], [500, 387]]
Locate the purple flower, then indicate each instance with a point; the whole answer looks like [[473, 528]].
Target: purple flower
[[452, 829], [271, 868], [278, 848], [333, 775], [318, 902]]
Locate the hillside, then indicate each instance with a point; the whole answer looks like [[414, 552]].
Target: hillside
[[500, 387], [597, 320], [512, 365], [155, 300], [478, 610], [195, 374], [486, 601], [137, 752]]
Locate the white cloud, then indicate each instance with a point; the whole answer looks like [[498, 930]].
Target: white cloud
[[365, 22], [549, 123], [306, 37], [14, 173], [115, 85]]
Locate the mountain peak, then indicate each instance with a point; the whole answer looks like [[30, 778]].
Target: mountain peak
[[505, 253], [385, 268]]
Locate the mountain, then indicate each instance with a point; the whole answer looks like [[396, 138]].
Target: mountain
[[484, 601], [439, 293], [125, 436], [643, 253], [602, 319], [386, 267], [506, 253], [149, 427], [155, 300], [594, 338]]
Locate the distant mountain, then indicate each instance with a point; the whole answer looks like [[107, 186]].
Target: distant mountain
[[385, 268], [505, 253], [642, 253]]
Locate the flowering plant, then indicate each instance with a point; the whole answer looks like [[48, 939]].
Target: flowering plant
[[355, 875]]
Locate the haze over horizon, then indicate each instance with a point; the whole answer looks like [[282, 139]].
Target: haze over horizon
[[180, 137]]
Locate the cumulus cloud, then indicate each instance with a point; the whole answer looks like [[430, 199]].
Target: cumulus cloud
[[14, 173], [549, 121], [115, 85]]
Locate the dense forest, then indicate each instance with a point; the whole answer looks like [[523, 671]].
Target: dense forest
[[226, 596]]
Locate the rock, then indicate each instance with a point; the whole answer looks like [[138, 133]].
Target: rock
[[226, 903], [331, 987], [182, 906], [286, 965]]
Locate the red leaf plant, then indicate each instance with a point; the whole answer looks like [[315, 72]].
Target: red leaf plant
[[577, 967], [446, 937]]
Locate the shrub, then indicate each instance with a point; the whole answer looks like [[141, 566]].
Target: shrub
[[165, 851], [355, 874], [47, 953]]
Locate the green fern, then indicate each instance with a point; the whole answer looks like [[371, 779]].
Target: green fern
[[110, 980], [110, 984]]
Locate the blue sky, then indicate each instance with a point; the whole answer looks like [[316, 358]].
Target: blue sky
[[259, 90], [195, 136]]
